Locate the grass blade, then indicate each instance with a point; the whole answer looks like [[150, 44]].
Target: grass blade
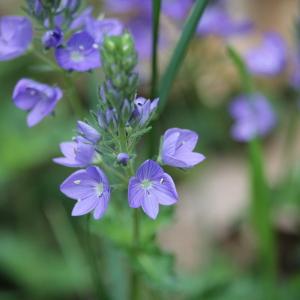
[[156, 6], [180, 51]]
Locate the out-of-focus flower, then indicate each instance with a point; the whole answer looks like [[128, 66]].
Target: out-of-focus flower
[[253, 115], [98, 29], [123, 159], [77, 154], [176, 9], [88, 132], [144, 110], [269, 58], [82, 18], [217, 21], [138, 22], [81, 53], [90, 188], [177, 148], [15, 36], [37, 7], [150, 187], [129, 6], [53, 38], [37, 98]]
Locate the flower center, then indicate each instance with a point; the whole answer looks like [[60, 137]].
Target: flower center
[[76, 56], [146, 184], [99, 189]]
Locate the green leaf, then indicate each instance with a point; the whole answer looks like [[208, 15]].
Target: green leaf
[[156, 6], [180, 51], [40, 270]]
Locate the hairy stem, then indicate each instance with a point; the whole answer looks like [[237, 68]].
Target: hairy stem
[[91, 256], [73, 98], [134, 288]]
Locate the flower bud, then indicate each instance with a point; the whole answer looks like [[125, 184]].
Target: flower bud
[[53, 38], [123, 159]]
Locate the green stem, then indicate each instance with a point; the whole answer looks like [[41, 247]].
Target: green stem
[[46, 60], [92, 257], [156, 5], [246, 78], [73, 98], [260, 196], [261, 212], [134, 284], [113, 171]]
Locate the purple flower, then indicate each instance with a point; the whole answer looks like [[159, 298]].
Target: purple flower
[[140, 28], [176, 9], [177, 148], [144, 110], [269, 58], [90, 188], [53, 38], [100, 28], [217, 21], [15, 36], [88, 132], [253, 115], [37, 98], [121, 6], [150, 187], [82, 18], [37, 7], [77, 154], [81, 53], [123, 159]]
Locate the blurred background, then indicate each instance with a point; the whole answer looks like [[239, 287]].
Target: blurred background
[[209, 237]]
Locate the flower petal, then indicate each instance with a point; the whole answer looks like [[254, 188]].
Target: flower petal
[[68, 162], [40, 111], [85, 206], [88, 132], [79, 185], [164, 191], [101, 207], [68, 149], [150, 206], [149, 170], [135, 193]]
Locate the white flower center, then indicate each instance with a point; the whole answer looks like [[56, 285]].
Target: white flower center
[[76, 56], [146, 184]]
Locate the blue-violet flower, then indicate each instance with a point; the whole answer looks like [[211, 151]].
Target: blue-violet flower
[[253, 115], [81, 53], [177, 148], [90, 188], [53, 38], [150, 187], [77, 154], [37, 98], [15, 36], [269, 58]]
